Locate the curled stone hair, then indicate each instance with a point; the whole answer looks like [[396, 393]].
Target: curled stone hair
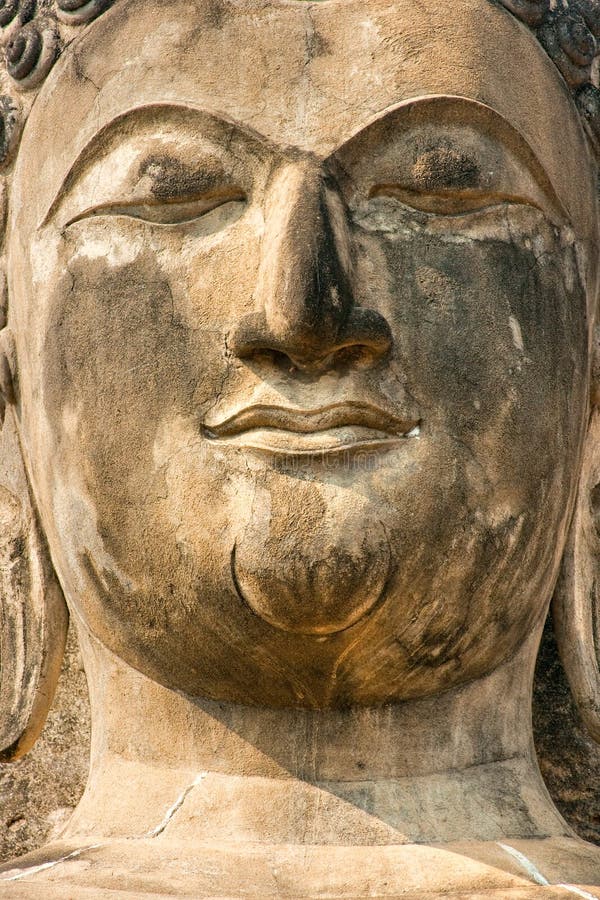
[[32, 36], [33, 33], [569, 31]]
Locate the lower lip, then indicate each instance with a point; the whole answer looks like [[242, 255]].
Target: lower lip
[[329, 442]]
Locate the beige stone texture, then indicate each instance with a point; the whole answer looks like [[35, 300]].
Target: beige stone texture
[[301, 428], [39, 792]]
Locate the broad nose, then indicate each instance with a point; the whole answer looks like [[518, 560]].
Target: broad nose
[[305, 307]]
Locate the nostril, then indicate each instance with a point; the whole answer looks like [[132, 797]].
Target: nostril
[[361, 340], [278, 363], [355, 356], [369, 330], [275, 360]]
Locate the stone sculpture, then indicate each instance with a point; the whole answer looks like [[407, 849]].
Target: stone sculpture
[[297, 357]]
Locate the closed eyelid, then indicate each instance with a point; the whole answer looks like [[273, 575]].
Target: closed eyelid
[[164, 212], [168, 200], [452, 202]]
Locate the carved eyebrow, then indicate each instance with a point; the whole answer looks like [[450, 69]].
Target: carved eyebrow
[[415, 107], [138, 115]]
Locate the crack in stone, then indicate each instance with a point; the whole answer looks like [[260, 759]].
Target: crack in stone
[[176, 806], [525, 863], [154, 832]]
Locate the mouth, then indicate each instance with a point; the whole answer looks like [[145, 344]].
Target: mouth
[[330, 430]]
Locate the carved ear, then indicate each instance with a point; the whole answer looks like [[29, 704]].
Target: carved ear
[[33, 613], [577, 597]]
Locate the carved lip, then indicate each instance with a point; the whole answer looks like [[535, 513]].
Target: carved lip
[[337, 428]]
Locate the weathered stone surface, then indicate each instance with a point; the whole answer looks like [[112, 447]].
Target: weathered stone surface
[[569, 758], [40, 791], [296, 365]]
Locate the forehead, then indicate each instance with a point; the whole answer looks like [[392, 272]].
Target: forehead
[[304, 75]]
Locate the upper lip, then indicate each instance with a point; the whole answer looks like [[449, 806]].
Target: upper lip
[[309, 421]]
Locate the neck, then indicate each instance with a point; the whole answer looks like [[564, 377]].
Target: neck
[[459, 766]]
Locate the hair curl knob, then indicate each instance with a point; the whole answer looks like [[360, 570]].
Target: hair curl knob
[[577, 41], [529, 11], [79, 12], [23, 52]]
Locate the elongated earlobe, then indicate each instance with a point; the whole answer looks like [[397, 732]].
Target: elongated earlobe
[[33, 613], [577, 596]]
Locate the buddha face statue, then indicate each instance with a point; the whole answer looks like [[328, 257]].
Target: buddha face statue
[[302, 340]]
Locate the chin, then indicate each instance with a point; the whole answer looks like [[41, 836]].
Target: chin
[[318, 578]]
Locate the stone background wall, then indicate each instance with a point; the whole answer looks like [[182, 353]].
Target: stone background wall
[[569, 759], [38, 793]]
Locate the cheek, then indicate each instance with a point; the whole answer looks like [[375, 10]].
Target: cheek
[[491, 341], [490, 335], [135, 347]]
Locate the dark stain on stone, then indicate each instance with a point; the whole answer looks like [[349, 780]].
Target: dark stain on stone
[[173, 180], [214, 14], [317, 46], [18, 548], [444, 167]]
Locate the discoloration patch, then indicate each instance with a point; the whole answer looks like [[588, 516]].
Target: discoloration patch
[[445, 167], [172, 179]]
